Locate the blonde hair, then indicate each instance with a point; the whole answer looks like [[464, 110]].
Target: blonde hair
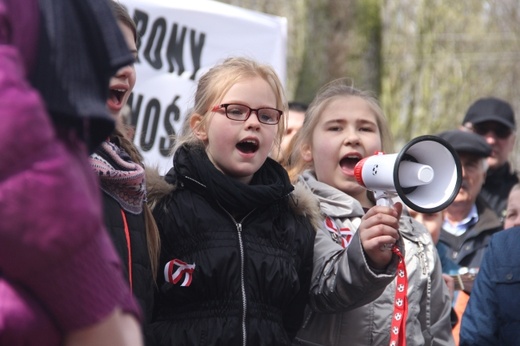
[[215, 83], [338, 88]]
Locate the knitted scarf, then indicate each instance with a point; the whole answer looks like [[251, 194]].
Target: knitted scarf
[[269, 184], [120, 178]]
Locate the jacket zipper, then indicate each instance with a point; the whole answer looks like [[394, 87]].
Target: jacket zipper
[[242, 284], [242, 262], [242, 270]]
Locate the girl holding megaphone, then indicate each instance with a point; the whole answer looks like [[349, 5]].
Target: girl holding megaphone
[[342, 126]]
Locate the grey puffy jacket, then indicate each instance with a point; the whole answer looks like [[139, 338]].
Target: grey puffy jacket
[[429, 304]]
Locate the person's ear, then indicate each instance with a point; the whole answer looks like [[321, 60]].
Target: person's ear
[[197, 126], [306, 152]]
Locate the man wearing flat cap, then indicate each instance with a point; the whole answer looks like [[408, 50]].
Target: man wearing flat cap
[[469, 222], [494, 120]]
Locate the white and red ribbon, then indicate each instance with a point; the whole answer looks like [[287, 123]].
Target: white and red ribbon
[[398, 328], [345, 234], [177, 270]]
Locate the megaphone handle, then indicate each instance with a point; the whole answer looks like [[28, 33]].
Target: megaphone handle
[[383, 198]]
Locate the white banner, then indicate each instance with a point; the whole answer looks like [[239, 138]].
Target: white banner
[[179, 41]]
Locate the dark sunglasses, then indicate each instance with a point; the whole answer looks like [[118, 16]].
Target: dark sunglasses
[[500, 131]]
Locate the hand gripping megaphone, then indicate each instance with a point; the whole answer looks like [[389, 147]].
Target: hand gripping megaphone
[[426, 174]]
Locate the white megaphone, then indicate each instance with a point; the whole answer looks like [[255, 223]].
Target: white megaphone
[[426, 174]]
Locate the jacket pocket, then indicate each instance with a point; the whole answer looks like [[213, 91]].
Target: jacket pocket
[[506, 275]]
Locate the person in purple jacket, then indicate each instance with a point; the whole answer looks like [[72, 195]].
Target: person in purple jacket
[[60, 278]]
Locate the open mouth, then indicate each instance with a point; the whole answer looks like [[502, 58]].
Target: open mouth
[[348, 162], [248, 146], [116, 95]]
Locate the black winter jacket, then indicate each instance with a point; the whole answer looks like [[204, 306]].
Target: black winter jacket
[[496, 188], [252, 267], [136, 262]]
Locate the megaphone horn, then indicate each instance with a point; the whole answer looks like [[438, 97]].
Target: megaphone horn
[[425, 174]]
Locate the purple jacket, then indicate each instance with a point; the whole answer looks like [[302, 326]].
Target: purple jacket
[[58, 268]]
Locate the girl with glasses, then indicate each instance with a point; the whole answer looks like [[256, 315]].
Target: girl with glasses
[[236, 237]]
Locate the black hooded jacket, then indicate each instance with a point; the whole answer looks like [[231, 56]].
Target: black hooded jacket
[[251, 251]]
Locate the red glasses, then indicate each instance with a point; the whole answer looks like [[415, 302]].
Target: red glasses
[[238, 112]]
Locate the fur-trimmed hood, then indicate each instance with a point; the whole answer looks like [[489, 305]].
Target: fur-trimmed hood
[[302, 201], [157, 188]]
